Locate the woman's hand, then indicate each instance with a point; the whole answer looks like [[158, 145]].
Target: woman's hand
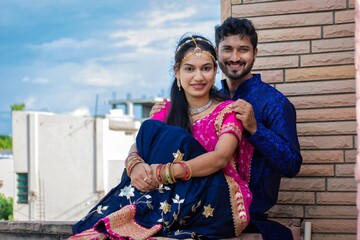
[[143, 177], [157, 107]]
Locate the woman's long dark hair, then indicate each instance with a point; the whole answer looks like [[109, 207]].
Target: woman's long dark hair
[[179, 112]]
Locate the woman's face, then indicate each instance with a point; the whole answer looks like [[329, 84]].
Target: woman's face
[[197, 76]]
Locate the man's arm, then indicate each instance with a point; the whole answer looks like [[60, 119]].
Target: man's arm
[[275, 139], [278, 141]]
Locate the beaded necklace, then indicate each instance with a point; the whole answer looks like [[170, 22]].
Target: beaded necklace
[[194, 111]]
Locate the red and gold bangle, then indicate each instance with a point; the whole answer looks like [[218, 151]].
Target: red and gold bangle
[[158, 174], [130, 164], [187, 169], [190, 171]]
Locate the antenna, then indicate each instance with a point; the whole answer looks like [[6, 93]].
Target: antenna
[[96, 104]]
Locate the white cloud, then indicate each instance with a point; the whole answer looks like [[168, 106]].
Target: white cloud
[[105, 76], [66, 43], [80, 112], [35, 80], [162, 17]]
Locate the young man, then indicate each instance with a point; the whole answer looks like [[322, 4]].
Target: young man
[[269, 119], [267, 115]]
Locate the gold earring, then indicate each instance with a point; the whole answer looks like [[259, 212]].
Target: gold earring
[[178, 84]]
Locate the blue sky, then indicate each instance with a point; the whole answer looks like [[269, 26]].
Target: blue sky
[[57, 56]]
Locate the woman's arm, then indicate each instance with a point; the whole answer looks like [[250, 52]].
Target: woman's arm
[[211, 162]]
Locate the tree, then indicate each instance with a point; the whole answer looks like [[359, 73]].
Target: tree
[[18, 107], [6, 207], [5, 142]]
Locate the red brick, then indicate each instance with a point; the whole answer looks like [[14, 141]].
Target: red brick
[[293, 20], [330, 212], [327, 128], [225, 9], [336, 198], [262, 63], [316, 170], [322, 156], [302, 184], [341, 184], [289, 34], [323, 101], [330, 142], [296, 197], [249, 1], [272, 76], [351, 3], [322, 87], [333, 45], [283, 48], [344, 170], [289, 211], [340, 30], [326, 114], [333, 226], [320, 73], [350, 156], [316, 236], [346, 16], [323, 59], [284, 7]]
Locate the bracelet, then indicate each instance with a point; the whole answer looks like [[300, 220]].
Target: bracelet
[[171, 170], [162, 174], [158, 175], [128, 158], [130, 164], [167, 173], [187, 169]]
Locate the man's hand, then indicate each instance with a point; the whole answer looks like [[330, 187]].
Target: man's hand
[[245, 114], [157, 107]]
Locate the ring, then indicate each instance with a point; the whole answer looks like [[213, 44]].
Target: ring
[[145, 179]]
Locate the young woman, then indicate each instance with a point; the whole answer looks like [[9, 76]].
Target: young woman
[[189, 169]]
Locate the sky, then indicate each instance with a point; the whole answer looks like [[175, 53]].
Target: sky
[[72, 56]]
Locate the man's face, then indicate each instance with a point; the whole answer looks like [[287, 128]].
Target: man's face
[[236, 57]]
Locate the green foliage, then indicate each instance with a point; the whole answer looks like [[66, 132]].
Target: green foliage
[[6, 207], [18, 107], [5, 142]]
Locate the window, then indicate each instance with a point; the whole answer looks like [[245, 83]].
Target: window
[[22, 188]]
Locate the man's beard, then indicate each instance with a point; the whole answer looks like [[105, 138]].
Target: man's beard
[[236, 76]]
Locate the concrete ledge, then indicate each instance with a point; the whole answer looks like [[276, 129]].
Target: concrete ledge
[[44, 230], [11, 230]]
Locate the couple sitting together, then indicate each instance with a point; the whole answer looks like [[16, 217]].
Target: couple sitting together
[[188, 173]]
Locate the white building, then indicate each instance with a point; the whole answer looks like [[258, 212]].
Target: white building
[[65, 164], [7, 173]]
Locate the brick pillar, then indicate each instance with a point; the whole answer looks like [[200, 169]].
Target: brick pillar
[[357, 66]]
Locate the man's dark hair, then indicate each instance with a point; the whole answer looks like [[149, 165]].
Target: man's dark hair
[[236, 26]]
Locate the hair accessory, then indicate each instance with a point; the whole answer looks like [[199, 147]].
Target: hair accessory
[[194, 40], [197, 52]]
